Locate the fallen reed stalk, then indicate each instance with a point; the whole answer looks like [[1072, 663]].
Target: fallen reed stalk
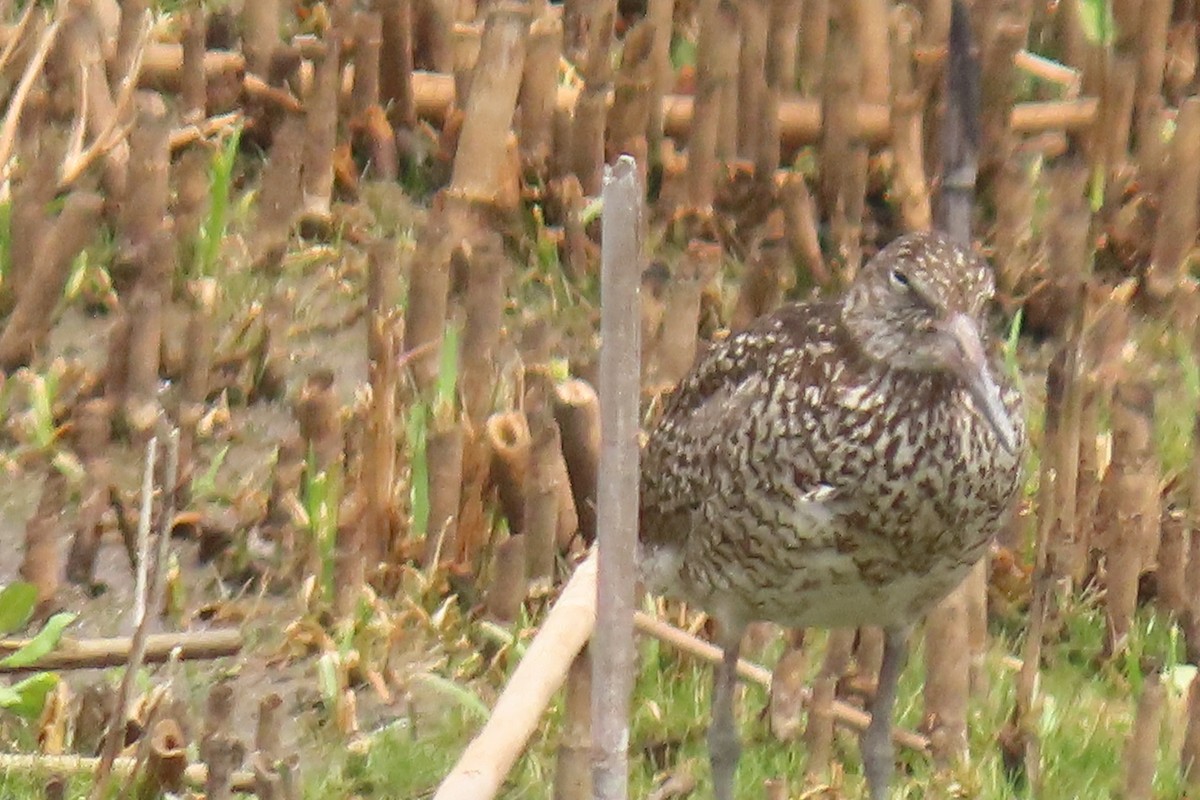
[[195, 775], [482, 767], [100, 653]]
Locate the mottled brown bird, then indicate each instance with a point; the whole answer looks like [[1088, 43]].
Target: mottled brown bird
[[840, 463]]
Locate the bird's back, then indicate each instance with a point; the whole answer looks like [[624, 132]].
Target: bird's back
[[793, 478]]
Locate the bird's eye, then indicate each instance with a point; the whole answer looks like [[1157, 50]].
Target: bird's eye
[[900, 279]]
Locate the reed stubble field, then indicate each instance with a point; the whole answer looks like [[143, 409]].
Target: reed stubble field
[[340, 263]]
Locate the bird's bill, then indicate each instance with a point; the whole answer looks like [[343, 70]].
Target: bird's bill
[[970, 363]]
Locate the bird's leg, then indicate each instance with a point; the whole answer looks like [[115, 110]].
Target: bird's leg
[[878, 758], [723, 745]]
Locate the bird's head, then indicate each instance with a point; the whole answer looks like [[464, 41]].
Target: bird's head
[[919, 305]]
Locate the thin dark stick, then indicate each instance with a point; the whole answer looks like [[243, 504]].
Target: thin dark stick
[[617, 490], [960, 132]]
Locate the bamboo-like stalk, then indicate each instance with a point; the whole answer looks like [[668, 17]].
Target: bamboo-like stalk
[[260, 34], [763, 285], [908, 179], [444, 454], [843, 713], [1135, 485], [41, 561], [818, 735], [1003, 33], [91, 428], [1175, 233], [870, 22], [280, 199], [702, 135], [577, 412], [1189, 756], [491, 105], [780, 72], [660, 13], [319, 414], [396, 61], [29, 324], [843, 155], [508, 586], [595, 66], [481, 769], [947, 673], [573, 762], [800, 215], [1114, 118], [630, 113], [433, 25], [487, 270], [193, 89], [1141, 751], [619, 478], [539, 92], [321, 116], [379, 449], [99, 653], [675, 349], [543, 489], [510, 442], [43, 765], [753, 19], [167, 761], [788, 691], [1154, 21], [814, 39], [1173, 555]]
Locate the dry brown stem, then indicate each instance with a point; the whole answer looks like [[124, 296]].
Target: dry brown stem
[[543, 488], [481, 769], [482, 144], [487, 269], [788, 692], [41, 562], [660, 13], [630, 114], [195, 775], [1133, 481], [818, 736], [319, 414], [1003, 33], [1189, 757], [947, 671], [280, 200], [1172, 563], [675, 348], [573, 765], [260, 34], [870, 21], [800, 216], [92, 424], [753, 19], [368, 45], [396, 61], [844, 713], [510, 442], [577, 412], [507, 588], [595, 66], [167, 761], [321, 116], [705, 113], [908, 179], [1141, 751], [31, 318], [766, 278], [539, 92], [429, 288], [444, 454], [814, 39], [379, 448], [1175, 234]]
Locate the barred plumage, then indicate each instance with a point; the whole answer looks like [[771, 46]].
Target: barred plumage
[[840, 463]]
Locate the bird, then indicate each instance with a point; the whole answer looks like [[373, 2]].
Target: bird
[[842, 462]]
